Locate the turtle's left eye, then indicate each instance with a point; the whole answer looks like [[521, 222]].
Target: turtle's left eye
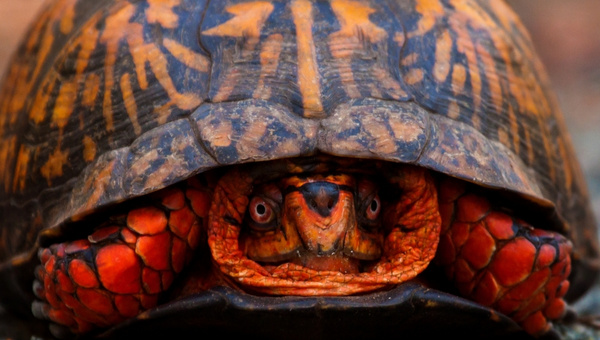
[[260, 210], [369, 204], [373, 208]]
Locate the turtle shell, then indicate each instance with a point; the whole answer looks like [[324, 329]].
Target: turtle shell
[[109, 100]]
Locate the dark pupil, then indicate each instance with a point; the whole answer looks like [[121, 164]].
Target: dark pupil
[[373, 205], [260, 209]]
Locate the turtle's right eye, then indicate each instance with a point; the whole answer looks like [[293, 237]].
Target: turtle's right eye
[[262, 214], [373, 208]]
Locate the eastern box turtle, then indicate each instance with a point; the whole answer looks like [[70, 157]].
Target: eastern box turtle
[[332, 167]]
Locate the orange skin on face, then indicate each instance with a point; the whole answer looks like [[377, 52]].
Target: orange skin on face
[[406, 250]]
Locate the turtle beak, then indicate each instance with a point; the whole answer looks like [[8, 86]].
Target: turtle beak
[[321, 197], [323, 215]]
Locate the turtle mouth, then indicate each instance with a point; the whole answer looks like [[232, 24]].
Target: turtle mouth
[[342, 264], [345, 263]]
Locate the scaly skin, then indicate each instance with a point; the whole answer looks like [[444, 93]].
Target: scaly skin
[[501, 261], [122, 267], [317, 234]]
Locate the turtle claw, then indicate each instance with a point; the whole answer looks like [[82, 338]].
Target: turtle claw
[[38, 289], [60, 332], [591, 321], [40, 310], [571, 315]]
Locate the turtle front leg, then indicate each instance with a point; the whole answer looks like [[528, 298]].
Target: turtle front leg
[[120, 269], [500, 261]]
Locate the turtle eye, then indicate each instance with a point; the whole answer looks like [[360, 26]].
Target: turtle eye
[[260, 211], [373, 208]]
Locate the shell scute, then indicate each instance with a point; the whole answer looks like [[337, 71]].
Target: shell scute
[[169, 153], [376, 129], [253, 130]]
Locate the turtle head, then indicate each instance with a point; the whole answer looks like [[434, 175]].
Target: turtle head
[[324, 227], [323, 222]]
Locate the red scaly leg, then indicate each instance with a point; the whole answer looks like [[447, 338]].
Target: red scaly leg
[[123, 266], [502, 262]]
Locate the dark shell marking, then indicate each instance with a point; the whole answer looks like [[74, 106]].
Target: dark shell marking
[[109, 100]]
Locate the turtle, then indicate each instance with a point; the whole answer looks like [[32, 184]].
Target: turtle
[[317, 168]]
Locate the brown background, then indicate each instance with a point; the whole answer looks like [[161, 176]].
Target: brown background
[[565, 33]]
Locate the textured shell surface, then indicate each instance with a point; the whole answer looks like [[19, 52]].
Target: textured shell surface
[[109, 100]]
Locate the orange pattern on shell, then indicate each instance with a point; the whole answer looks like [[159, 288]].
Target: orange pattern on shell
[[308, 74]]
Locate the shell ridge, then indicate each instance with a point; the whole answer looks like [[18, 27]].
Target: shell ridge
[[199, 138], [429, 128]]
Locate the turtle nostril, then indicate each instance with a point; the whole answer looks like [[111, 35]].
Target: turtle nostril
[[321, 196]]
